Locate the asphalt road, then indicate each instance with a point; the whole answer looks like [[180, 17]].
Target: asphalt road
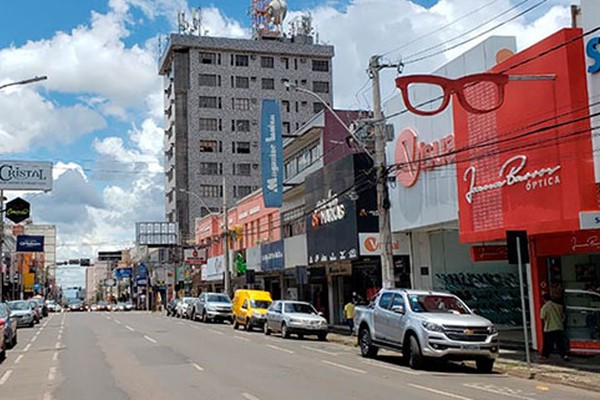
[[101, 356]]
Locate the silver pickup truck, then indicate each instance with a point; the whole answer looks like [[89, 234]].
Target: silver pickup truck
[[425, 325]]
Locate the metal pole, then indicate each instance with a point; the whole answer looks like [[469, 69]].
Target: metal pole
[[383, 202], [227, 283], [524, 314]]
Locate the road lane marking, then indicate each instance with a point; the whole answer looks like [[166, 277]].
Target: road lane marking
[[59, 337], [130, 328], [47, 396], [199, 368], [329, 353], [280, 349], [360, 371], [5, 377], [52, 373], [440, 392], [55, 356], [18, 359], [508, 392], [148, 338], [57, 346], [108, 318], [248, 396], [241, 338], [218, 332], [402, 370], [26, 349], [33, 339], [117, 321]]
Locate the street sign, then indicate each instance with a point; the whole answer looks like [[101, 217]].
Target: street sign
[[110, 255], [17, 210]]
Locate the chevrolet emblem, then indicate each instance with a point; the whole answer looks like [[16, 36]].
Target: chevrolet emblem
[[468, 331]]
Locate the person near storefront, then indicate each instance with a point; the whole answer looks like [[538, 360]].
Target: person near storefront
[[553, 316], [349, 315]]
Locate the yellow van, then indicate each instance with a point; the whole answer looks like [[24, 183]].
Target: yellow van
[[250, 308]]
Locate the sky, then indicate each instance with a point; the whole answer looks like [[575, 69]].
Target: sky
[[99, 115]]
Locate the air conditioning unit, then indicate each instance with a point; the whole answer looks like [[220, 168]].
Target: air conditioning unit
[[254, 122], [255, 166], [253, 57], [255, 143]]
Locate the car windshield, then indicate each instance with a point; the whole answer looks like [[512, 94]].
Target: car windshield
[[218, 298], [3, 311], [260, 304], [299, 308], [19, 305], [429, 303]]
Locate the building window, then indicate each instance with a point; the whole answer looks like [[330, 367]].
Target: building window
[[209, 124], [291, 169], [297, 107], [318, 107], [293, 222], [210, 102], [295, 63], [241, 169], [241, 147], [240, 104], [320, 87], [286, 127], [210, 191], [240, 125], [285, 105], [241, 191], [286, 62], [267, 62], [210, 80], [241, 60], [208, 58], [240, 82], [211, 146], [320, 65], [210, 168], [268, 84]]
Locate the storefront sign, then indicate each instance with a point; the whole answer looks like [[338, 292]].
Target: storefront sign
[[413, 156], [121, 273], [328, 210], [253, 260], [590, 19], [489, 253], [592, 50], [194, 256], [512, 172], [371, 246], [589, 220], [519, 167], [272, 154], [214, 269], [25, 175], [17, 210], [272, 256], [30, 244], [344, 269]]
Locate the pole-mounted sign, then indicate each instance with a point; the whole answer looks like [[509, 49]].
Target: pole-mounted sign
[[17, 210]]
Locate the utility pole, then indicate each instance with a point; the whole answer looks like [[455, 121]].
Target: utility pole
[[227, 283], [383, 201]]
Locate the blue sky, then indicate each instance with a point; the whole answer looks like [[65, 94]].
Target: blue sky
[[98, 117]]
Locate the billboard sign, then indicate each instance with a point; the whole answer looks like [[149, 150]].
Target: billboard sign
[[156, 234], [194, 256], [272, 153], [590, 19], [369, 244], [272, 256], [25, 175], [121, 273], [30, 244], [17, 210], [214, 269]]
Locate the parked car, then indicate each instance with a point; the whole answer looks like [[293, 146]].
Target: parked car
[[102, 306], [128, 306], [23, 311], [10, 325], [76, 305], [182, 307], [42, 304], [212, 307], [583, 314], [295, 317], [52, 306], [172, 306], [3, 343], [189, 311], [37, 309], [250, 308], [426, 326]]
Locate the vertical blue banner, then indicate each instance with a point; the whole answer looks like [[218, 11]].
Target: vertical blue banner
[[271, 146]]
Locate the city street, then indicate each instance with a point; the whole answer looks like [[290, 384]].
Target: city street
[[135, 355]]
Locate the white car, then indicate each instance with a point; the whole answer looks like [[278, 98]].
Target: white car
[[182, 307]]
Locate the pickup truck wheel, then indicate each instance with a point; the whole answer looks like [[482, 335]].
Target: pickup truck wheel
[[485, 365], [204, 317], [266, 329], [414, 356], [322, 336], [367, 348], [235, 324]]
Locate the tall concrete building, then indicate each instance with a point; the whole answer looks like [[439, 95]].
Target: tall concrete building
[[213, 89]]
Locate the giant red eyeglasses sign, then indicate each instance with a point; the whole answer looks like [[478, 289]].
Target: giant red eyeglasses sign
[[527, 164]]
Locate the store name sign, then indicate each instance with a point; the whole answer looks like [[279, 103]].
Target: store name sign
[[413, 156], [592, 50], [513, 173], [328, 210], [24, 175]]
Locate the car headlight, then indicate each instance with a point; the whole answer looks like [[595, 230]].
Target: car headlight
[[211, 308], [432, 327], [492, 329]]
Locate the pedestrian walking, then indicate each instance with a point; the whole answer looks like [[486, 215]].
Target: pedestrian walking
[[553, 316], [349, 315]]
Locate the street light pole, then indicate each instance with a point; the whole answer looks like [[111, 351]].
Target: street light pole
[[227, 283]]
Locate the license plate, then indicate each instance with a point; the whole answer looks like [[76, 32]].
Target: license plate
[[470, 347]]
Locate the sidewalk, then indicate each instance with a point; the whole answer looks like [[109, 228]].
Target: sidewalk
[[581, 372]]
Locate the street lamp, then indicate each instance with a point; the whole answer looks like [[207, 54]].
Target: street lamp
[[24, 82]]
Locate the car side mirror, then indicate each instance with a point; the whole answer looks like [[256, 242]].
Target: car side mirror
[[398, 309], [474, 310], [321, 314]]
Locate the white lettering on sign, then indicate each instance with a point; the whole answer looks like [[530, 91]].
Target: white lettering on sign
[[254, 210], [512, 173], [272, 181], [328, 210], [592, 242]]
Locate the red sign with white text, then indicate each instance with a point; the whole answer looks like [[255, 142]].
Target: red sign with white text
[[528, 165], [489, 253]]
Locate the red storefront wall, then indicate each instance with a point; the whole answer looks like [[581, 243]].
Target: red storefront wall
[[529, 164]]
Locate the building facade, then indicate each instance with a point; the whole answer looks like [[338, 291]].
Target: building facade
[[213, 88]]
